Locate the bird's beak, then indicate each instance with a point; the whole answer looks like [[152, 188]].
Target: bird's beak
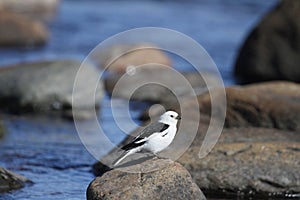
[[178, 117]]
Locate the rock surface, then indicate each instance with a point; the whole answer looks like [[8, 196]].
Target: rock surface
[[267, 168], [172, 181], [271, 51], [119, 57], [37, 9], [251, 157], [156, 84], [17, 30], [48, 86], [10, 181], [272, 105]]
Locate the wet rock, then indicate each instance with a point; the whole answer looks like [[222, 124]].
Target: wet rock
[[267, 168], [48, 86], [37, 9], [271, 51], [169, 181], [10, 181], [156, 84], [19, 31], [118, 58]]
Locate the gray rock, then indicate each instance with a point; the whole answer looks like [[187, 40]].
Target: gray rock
[[267, 168], [48, 86], [271, 51], [19, 31], [169, 181], [10, 181]]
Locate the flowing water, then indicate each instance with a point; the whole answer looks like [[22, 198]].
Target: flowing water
[[47, 150]]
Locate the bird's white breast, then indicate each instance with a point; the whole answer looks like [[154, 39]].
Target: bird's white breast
[[160, 141]]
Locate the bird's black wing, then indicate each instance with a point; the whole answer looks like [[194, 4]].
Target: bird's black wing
[[133, 145], [149, 130]]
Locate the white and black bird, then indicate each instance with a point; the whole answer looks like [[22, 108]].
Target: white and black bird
[[154, 138]]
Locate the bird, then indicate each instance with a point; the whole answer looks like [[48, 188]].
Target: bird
[[154, 138]]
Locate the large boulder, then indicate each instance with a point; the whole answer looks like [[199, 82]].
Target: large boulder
[[169, 181], [118, 58], [11, 181], [17, 30], [48, 86], [38, 9], [271, 51], [258, 168], [258, 150]]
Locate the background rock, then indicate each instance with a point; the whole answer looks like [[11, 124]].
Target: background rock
[[271, 51], [37, 9], [119, 57], [17, 30], [170, 182], [48, 86], [155, 84], [10, 181], [272, 105]]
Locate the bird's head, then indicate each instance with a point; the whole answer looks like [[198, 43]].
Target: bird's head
[[170, 117]]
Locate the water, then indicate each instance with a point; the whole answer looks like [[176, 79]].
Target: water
[[48, 151]]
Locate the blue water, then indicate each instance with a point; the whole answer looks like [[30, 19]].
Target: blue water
[[48, 151]]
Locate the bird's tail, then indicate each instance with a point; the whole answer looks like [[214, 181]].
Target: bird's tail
[[122, 157]]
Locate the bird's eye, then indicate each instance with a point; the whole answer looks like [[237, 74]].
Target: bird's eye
[[172, 116]]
